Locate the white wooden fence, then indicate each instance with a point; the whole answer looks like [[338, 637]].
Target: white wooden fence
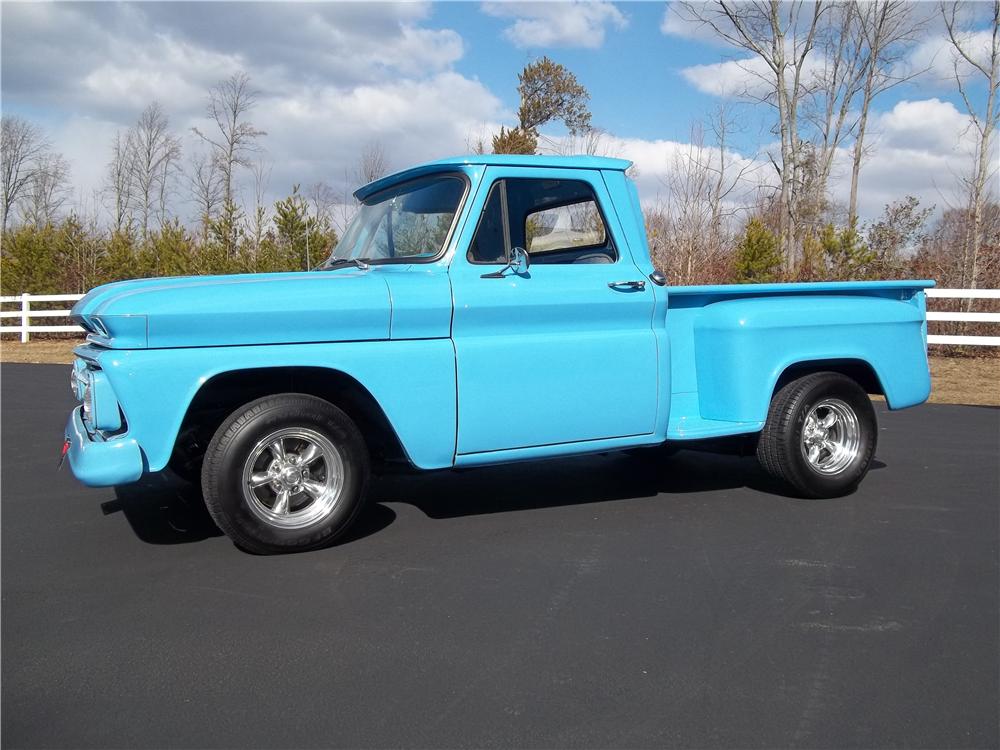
[[25, 314], [964, 317]]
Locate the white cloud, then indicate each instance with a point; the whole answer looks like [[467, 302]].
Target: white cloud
[[331, 78], [677, 23], [173, 72], [320, 131], [655, 161], [335, 77], [920, 148], [572, 23], [933, 60], [927, 125], [748, 76]]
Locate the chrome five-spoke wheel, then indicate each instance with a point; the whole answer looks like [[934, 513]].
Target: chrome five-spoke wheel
[[293, 478], [831, 436], [285, 473], [820, 435]]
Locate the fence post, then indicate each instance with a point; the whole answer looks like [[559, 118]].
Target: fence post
[[25, 316]]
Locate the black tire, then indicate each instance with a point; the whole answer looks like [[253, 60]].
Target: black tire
[[783, 454], [241, 437]]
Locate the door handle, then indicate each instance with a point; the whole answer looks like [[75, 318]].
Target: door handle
[[627, 284]]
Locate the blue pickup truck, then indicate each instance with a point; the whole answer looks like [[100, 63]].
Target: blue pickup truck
[[477, 310]]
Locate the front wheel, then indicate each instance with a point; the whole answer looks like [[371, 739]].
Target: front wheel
[[820, 435], [285, 473]]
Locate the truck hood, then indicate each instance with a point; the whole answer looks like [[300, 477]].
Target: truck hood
[[274, 308]]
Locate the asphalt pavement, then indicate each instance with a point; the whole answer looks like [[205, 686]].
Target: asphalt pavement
[[606, 601]]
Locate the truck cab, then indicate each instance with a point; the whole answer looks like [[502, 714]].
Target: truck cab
[[477, 310]]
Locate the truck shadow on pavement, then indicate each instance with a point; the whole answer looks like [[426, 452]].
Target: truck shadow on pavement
[[571, 481], [163, 509]]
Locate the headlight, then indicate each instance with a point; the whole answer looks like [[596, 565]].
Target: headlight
[[87, 395], [100, 405], [77, 377]]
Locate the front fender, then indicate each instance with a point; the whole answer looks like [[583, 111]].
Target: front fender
[[413, 382]]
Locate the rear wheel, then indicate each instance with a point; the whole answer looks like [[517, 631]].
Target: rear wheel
[[285, 473], [820, 435]]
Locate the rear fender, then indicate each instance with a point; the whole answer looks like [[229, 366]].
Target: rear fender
[[743, 346]]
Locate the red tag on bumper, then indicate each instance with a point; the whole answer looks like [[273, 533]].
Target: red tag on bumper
[[65, 450]]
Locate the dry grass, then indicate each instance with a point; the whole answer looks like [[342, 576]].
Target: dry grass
[[966, 380], [52, 351], [957, 380]]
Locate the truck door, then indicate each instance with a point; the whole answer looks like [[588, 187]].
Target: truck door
[[562, 351]]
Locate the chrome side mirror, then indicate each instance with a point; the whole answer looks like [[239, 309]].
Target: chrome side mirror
[[519, 262], [519, 259]]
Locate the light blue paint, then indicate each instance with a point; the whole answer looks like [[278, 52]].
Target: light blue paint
[[413, 381], [274, 308], [551, 355], [470, 370], [101, 463]]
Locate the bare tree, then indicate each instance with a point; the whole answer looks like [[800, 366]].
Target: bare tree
[[688, 185], [371, 163], [169, 170], [590, 141], [323, 199], [782, 36], [47, 191], [346, 203], [154, 154], [477, 143], [729, 177], [340, 209], [886, 28], [233, 139], [702, 182], [118, 185], [23, 147], [968, 64], [83, 246], [835, 84], [259, 218], [205, 179]]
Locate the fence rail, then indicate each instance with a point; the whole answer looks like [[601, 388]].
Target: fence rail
[[25, 314], [963, 317]]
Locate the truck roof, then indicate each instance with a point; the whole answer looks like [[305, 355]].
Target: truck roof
[[581, 161]]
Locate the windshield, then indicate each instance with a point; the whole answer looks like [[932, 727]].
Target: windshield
[[407, 222]]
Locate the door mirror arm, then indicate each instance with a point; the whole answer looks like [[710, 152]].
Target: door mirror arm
[[519, 263]]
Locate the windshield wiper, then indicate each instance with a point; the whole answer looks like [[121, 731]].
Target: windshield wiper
[[361, 263]]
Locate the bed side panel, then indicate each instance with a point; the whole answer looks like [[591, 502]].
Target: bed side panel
[[743, 345]]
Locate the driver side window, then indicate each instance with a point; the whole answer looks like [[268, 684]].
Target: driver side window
[[556, 221]]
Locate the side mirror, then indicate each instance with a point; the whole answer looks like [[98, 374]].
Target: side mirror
[[519, 262], [519, 259]]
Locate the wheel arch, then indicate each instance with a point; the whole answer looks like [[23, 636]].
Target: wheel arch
[[859, 370], [223, 393]]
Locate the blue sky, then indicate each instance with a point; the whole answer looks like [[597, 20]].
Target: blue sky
[[424, 80], [634, 78]]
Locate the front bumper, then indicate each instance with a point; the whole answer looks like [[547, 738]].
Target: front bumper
[[101, 463]]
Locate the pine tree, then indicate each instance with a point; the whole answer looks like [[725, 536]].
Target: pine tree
[[846, 255], [757, 256]]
